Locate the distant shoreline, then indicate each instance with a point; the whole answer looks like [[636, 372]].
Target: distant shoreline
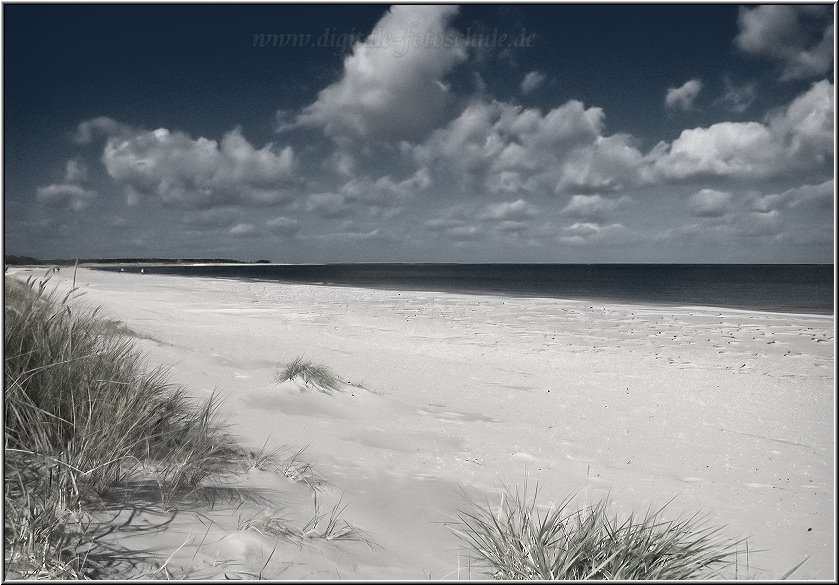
[[796, 289], [19, 260]]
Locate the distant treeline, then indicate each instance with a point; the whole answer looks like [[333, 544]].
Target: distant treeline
[[14, 259]]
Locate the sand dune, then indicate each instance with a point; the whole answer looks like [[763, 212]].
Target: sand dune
[[729, 411]]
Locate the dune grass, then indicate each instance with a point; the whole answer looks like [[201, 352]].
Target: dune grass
[[515, 541], [296, 469], [84, 416], [320, 377], [321, 526], [291, 466]]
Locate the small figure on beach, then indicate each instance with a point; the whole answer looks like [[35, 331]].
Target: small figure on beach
[[142, 271]]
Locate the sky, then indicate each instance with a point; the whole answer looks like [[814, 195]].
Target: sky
[[444, 133]]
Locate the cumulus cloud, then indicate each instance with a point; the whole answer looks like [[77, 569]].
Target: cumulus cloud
[[198, 173], [392, 91], [65, 196], [820, 196], [709, 203], [804, 129], [799, 38], [794, 139], [505, 149], [609, 163], [682, 97], [532, 81], [723, 149], [283, 226], [385, 191], [69, 194], [382, 196], [466, 222], [592, 208]]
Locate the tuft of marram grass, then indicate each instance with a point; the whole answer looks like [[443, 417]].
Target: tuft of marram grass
[[321, 526], [294, 468], [516, 541], [82, 416], [320, 377]]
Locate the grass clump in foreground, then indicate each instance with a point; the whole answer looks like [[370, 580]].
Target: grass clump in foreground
[[516, 542], [321, 526], [321, 377], [84, 417]]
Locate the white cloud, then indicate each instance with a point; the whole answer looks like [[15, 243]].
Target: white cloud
[[821, 196], [799, 38], [328, 205], [709, 203], [243, 230], [465, 233], [283, 226], [592, 208], [467, 222], [392, 91], [456, 223], [65, 196], [198, 173], [385, 191], [804, 129], [794, 139], [505, 149], [723, 149], [610, 163], [593, 234], [725, 226], [350, 231], [68, 194], [532, 81], [681, 98], [518, 210]]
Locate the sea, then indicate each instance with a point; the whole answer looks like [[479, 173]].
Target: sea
[[785, 288]]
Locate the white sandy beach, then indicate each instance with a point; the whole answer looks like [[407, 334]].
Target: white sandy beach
[[732, 412]]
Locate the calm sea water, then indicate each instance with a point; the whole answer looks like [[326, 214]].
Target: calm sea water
[[799, 288]]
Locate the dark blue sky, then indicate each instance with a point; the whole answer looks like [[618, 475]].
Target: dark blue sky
[[622, 133]]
